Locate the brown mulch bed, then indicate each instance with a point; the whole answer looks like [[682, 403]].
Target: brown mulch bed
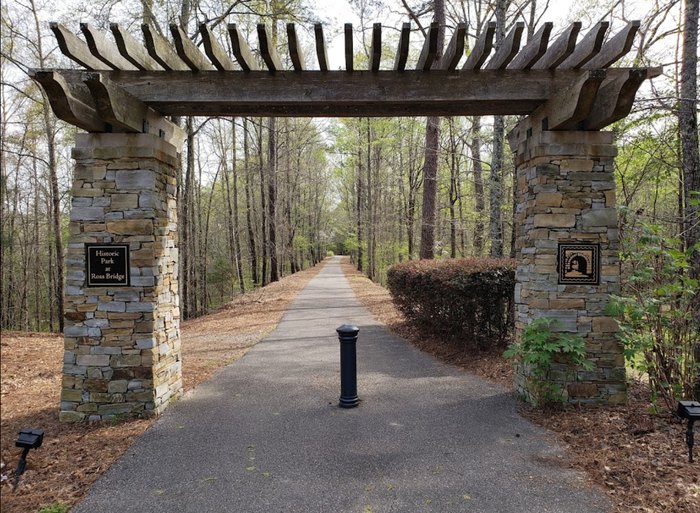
[[638, 458], [73, 456]]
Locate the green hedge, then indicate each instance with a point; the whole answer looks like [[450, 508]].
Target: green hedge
[[467, 299]]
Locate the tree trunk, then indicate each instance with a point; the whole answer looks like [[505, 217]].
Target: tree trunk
[[236, 226], [430, 167], [249, 207], [272, 198], [49, 128], [688, 123], [263, 205], [496, 175], [360, 192]]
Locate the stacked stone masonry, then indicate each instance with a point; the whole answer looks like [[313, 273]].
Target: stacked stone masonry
[[566, 194], [122, 344]]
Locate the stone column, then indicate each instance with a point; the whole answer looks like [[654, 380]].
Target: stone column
[[122, 343], [566, 194]]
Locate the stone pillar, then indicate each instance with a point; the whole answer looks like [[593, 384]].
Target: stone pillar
[[566, 195], [122, 343]]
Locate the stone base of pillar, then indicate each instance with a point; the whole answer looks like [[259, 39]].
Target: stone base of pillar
[[122, 343], [566, 191]]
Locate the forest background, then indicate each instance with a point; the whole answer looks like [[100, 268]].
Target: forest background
[[264, 197]]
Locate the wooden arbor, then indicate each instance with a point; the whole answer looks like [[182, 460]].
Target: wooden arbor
[[122, 339]]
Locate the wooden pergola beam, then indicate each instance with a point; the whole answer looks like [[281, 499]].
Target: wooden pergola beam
[[482, 48], [402, 48], [216, 53], [128, 114], [429, 51], [160, 49], [588, 48], [295, 50], [132, 50], [103, 49], [188, 51], [267, 49], [76, 49], [349, 55], [375, 53], [508, 49], [70, 100], [616, 97], [321, 52], [455, 49], [534, 50], [241, 50], [337, 94], [616, 48], [560, 49]]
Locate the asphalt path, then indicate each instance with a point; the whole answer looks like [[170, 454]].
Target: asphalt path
[[266, 435]]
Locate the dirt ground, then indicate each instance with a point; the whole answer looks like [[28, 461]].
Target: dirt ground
[[638, 458], [73, 456]]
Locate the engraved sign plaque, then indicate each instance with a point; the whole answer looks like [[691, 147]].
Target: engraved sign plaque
[[107, 265], [578, 263]]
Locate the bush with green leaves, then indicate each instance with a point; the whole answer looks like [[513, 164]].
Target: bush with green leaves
[[539, 349], [659, 299], [469, 300]]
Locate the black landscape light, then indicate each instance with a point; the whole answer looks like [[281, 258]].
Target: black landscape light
[[689, 410], [28, 439]]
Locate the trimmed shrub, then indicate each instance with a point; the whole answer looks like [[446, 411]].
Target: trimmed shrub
[[466, 299]]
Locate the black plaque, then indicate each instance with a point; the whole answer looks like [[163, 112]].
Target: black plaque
[[578, 263], [107, 265]]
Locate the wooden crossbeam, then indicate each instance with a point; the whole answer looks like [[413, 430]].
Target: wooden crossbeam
[[159, 48], [295, 51], [321, 52], [70, 100], [429, 52], [560, 49], [132, 50], [375, 53], [127, 113], [103, 49], [455, 49], [76, 49], [508, 49], [615, 98], [482, 48], [241, 50], [566, 109], [267, 49], [361, 93], [616, 48], [188, 51], [349, 55], [534, 50], [216, 53], [588, 48], [402, 49]]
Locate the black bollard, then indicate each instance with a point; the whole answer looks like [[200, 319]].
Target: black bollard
[[347, 335]]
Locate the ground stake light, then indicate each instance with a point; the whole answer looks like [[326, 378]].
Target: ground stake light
[[28, 439], [689, 410]]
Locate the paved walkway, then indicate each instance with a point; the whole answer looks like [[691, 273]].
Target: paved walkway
[[265, 434]]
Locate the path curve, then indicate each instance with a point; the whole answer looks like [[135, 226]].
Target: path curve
[[265, 433]]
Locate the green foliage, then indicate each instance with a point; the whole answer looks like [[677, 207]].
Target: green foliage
[[540, 347], [56, 507], [466, 299], [656, 313]]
